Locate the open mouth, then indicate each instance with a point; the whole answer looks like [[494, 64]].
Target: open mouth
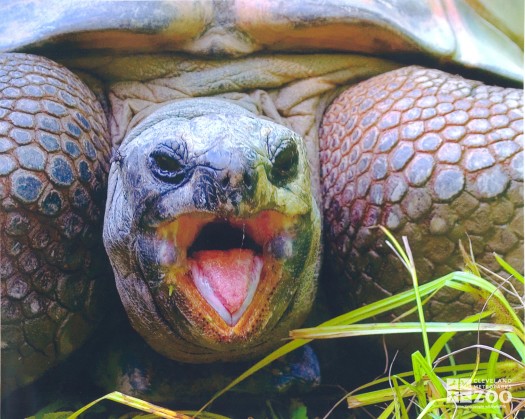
[[226, 267], [229, 262]]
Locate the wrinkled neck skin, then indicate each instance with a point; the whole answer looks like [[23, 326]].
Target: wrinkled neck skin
[[212, 230]]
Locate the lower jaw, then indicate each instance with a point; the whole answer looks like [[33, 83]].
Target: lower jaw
[[228, 280], [202, 319]]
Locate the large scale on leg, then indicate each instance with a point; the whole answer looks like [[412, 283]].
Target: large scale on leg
[[430, 156]]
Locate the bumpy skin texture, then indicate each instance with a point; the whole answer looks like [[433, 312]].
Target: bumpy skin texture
[[428, 155], [222, 167], [53, 171]]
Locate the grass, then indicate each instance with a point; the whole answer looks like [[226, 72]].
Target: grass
[[491, 389]]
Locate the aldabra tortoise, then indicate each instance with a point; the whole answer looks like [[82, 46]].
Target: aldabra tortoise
[[222, 132]]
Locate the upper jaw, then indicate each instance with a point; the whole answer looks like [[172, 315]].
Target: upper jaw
[[229, 265]]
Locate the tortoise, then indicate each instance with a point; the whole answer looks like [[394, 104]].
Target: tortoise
[[211, 148]]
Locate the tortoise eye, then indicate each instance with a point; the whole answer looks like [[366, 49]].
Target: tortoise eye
[[167, 165], [285, 161]]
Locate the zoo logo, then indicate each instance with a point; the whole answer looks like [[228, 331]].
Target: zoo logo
[[467, 391]]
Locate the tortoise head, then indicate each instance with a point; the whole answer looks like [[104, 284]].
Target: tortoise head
[[212, 230]]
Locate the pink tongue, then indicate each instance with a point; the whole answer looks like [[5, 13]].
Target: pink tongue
[[228, 273]]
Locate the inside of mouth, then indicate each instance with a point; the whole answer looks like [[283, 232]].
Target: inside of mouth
[[226, 260], [223, 236], [227, 280], [226, 265]]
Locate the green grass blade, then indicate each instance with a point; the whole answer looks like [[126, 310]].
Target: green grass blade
[[442, 340], [390, 303], [135, 403], [413, 309], [377, 397], [191, 413], [468, 259], [86, 407], [458, 369], [396, 246], [421, 315], [433, 404], [368, 329], [518, 344], [425, 376], [493, 358], [509, 268], [493, 291], [387, 412], [400, 404]]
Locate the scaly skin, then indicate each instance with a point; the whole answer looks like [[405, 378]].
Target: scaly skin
[[428, 155], [186, 168], [53, 173]]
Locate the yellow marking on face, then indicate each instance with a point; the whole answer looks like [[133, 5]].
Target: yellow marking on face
[[174, 273]]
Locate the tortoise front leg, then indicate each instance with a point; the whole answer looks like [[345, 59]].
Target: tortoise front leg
[[430, 156], [54, 153]]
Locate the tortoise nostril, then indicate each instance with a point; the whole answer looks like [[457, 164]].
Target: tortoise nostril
[[247, 180], [225, 181], [241, 181]]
